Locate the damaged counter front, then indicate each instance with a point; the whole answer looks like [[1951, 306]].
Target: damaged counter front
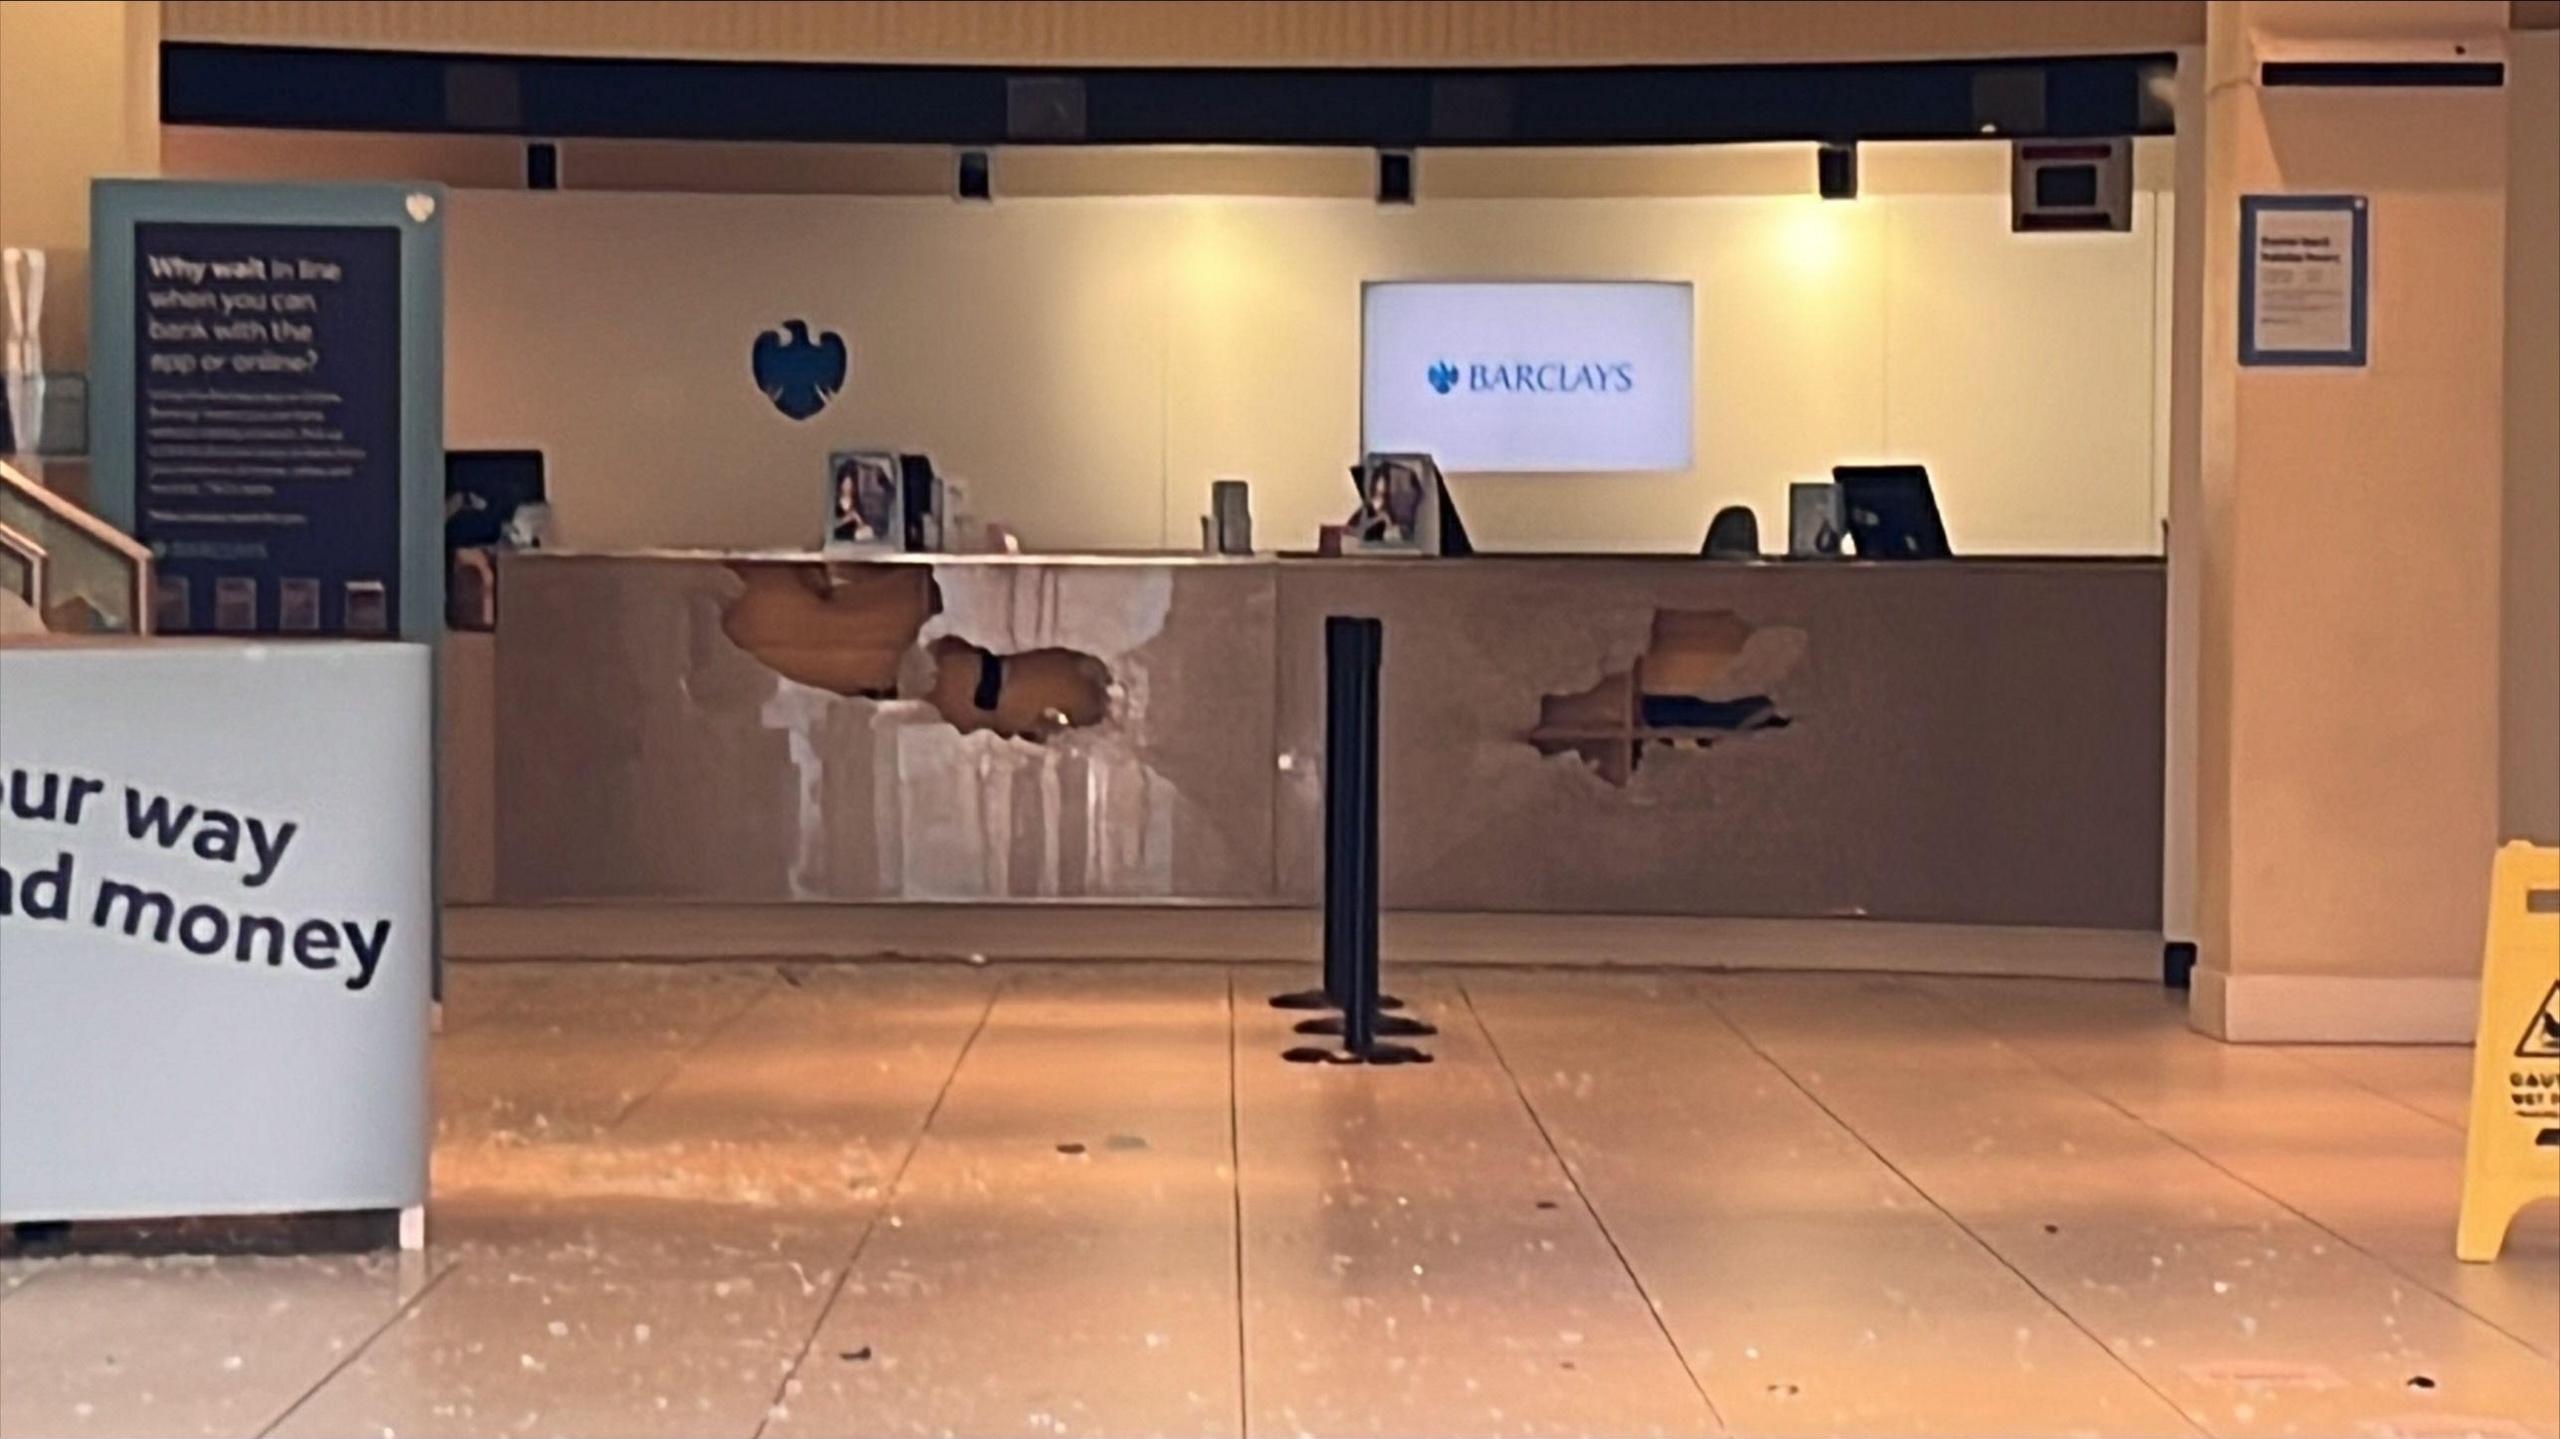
[[1972, 741]]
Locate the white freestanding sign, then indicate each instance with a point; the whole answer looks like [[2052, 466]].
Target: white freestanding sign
[[215, 927]]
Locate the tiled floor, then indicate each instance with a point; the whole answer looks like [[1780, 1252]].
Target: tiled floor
[[1017, 1200]]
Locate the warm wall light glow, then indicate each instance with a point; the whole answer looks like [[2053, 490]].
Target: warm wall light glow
[[1813, 239], [1206, 262]]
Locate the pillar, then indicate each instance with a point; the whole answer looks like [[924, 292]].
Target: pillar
[[2347, 690]]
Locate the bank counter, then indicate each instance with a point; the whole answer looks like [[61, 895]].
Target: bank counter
[[1966, 741]]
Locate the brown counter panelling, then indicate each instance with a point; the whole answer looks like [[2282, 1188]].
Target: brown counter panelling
[[1974, 742]]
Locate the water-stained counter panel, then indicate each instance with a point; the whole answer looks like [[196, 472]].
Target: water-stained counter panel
[[1969, 742], [1977, 742], [768, 729]]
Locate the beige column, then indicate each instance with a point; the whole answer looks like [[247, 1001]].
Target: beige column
[[2532, 643], [79, 99], [2348, 685]]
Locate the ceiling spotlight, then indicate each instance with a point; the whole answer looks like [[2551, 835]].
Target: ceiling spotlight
[[1836, 171], [1395, 177]]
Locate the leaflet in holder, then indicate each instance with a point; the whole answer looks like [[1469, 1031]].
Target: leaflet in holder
[[866, 503], [1402, 500], [922, 503]]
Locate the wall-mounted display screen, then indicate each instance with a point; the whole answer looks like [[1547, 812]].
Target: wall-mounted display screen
[[1529, 375]]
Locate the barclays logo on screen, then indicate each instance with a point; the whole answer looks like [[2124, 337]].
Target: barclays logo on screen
[[1533, 377]]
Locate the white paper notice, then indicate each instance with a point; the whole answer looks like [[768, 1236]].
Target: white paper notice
[[2305, 281]]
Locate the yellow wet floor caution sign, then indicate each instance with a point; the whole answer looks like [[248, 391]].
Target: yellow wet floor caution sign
[[2513, 1157]]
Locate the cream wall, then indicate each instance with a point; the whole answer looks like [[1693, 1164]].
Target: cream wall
[[1088, 365], [79, 99]]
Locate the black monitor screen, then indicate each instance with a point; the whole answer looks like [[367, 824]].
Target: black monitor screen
[[482, 490], [1892, 513], [2067, 187]]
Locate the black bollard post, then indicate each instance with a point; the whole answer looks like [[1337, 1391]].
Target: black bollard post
[[1353, 893], [1339, 805], [1353, 649], [1342, 651], [1359, 1007], [1365, 1038]]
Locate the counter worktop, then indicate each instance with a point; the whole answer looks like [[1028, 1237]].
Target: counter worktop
[[1190, 559]]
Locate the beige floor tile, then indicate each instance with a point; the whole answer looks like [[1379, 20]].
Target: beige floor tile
[[1814, 1291], [558, 1055], [1013, 1289], [686, 1250], [574, 1349], [2434, 1079], [1901, 1206], [1985, 1129], [123, 1347], [1924, 1120], [1400, 1276], [2380, 1174], [769, 1137], [475, 993], [2289, 1333]]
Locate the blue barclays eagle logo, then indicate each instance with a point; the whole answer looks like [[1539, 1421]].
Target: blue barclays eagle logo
[[797, 373], [1443, 377]]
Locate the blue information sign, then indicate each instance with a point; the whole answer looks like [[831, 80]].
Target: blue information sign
[[266, 425]]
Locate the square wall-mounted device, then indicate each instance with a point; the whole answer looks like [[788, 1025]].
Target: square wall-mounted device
[[2070, 185]]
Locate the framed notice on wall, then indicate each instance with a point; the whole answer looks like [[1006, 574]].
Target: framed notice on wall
[[268, 404], [2305, 280]]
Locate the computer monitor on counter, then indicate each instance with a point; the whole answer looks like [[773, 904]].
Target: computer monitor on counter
[[922, 507], [1892, 514]]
